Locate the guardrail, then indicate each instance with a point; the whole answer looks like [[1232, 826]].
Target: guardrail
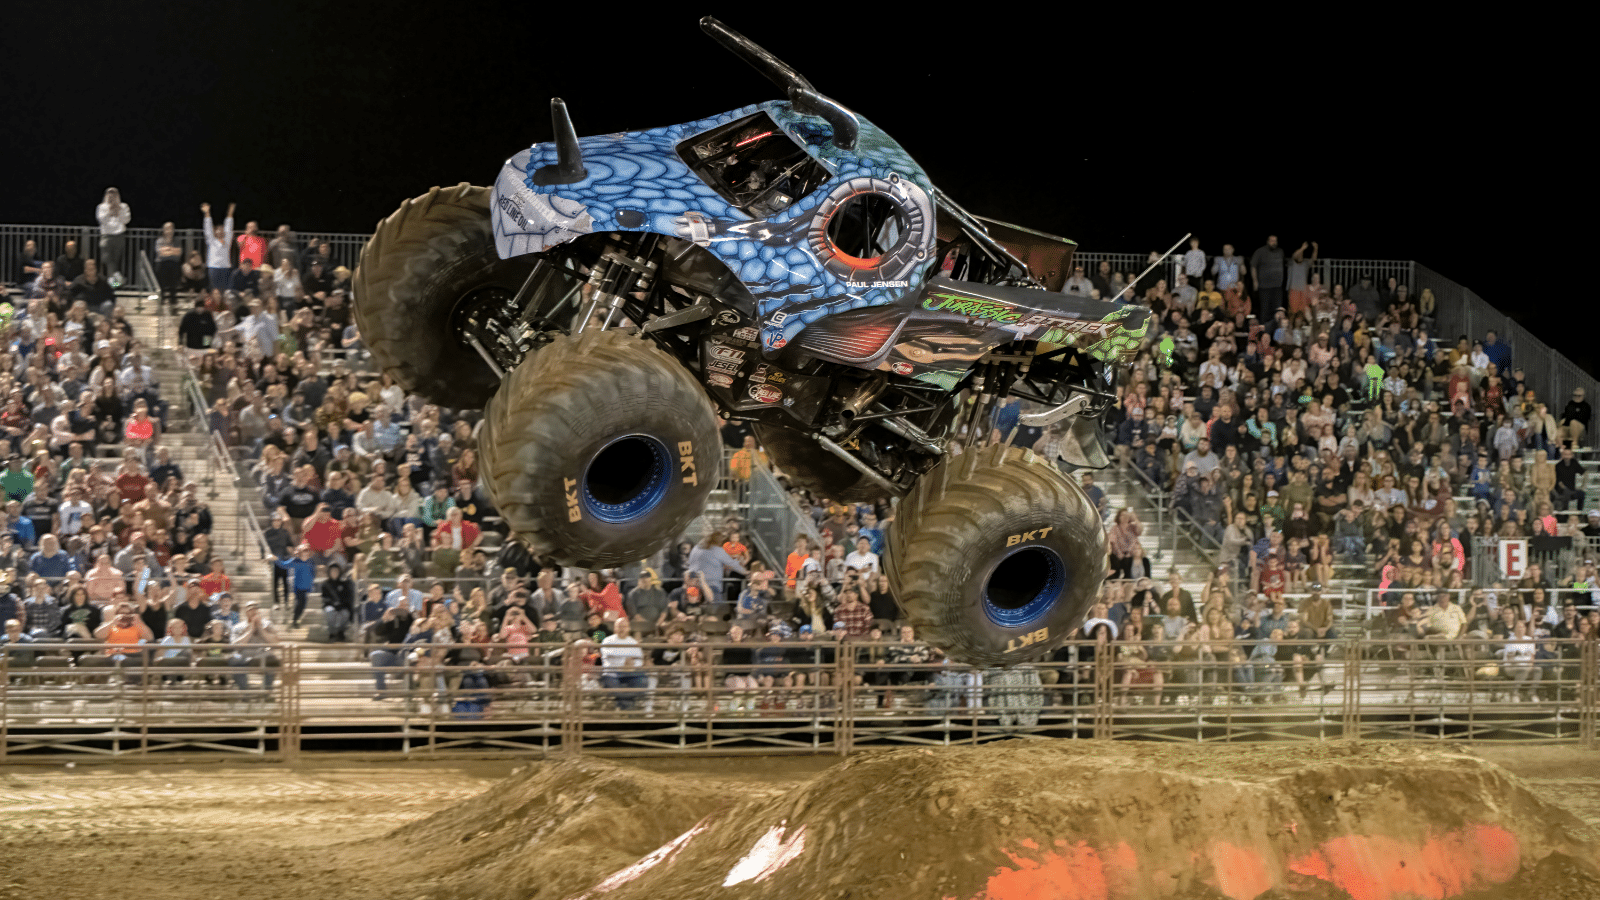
[[277, 701], [344, 248]]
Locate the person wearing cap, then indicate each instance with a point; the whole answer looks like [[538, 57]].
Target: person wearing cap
[[756, 597], [338, 603], [1575, 417], [647, 603], [302, 578], [251, 637]]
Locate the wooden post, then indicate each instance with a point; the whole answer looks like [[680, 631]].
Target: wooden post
[[1103, 694], [5, 704], [844, 686], [571, 700], [1588, 694], [289, 704], [1350, 705]]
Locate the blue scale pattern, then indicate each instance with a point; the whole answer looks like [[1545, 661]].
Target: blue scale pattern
[[641, 171]]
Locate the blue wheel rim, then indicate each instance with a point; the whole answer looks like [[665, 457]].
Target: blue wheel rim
[[626, 479], [1024, 585]]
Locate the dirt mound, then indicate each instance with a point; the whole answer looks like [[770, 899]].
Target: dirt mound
[[1036, 821], [550, 831]]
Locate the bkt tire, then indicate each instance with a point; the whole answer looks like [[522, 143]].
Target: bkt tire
[[422, 262], [812, 468], [599, 449], [995, 556]]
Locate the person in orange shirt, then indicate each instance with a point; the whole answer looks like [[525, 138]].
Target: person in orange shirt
[[125, 632], [741, 464], [736, 548], [217, 581], [797, 559]]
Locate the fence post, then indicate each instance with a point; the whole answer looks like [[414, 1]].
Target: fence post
[[571, 700], [844, 723], [289, 704], [1103, 694], [1588, 694], [5, 704], [1350, 705]]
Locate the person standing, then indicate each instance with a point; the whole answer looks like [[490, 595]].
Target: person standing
[[252, 245], [1267, 270], [219, 241], [169, 267], [113, 216]]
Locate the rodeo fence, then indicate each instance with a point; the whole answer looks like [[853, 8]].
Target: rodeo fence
[[80, 699]]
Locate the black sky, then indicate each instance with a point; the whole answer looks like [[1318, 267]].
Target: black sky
[[1121, 129]]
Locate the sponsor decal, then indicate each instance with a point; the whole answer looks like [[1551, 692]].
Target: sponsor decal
[[719, 380], [902, 368], [574, 512], [722, 351], [777, 318], [971, 307], [686, 462], [777, 377], [778, 343], [760, 374], [1028, 640], [878, 284], [1068, 326], [745, 334], [1027, 536], [720, 365], [513, 211], [728, 317], [765, 393]]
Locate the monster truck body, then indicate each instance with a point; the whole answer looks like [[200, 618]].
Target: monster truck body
[[793, 264]]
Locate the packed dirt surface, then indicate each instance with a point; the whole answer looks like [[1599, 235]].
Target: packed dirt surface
[[1014, 821]]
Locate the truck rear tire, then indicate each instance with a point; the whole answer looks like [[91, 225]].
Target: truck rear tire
[[599, 449], [421, 263], [995, 556]]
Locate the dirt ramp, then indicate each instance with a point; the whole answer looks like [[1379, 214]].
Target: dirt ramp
[[1059, 821], [552, 830]]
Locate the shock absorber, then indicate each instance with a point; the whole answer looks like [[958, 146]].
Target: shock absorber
[[620, 272]]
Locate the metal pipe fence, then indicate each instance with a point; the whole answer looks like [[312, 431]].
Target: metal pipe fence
[[1346, 272], [82, 699], [1551, 375], [51, 240]]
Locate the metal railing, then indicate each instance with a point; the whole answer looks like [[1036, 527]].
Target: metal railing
[[1346, 272], [1377, 600], [93, 699], [1551, 375], [345, 249], [248, 534]]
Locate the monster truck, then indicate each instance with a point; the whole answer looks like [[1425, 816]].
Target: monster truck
[[785, 264]]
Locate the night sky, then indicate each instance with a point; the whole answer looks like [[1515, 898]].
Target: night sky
[[1121, 130]]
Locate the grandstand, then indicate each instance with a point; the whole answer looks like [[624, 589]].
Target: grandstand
[[1390, 666]]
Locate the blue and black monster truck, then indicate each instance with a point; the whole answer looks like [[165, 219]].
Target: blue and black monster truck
[[789, 265]]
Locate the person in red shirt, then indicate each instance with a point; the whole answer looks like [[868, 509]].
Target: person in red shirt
[[1274, 578], [323, 534], [454, 536], [217, 581], [603, 596], [130, 481], [252, 245]]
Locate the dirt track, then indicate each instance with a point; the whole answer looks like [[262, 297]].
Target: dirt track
[[330, 831]]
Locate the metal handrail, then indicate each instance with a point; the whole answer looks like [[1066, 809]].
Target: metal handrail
[[219, 460]]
